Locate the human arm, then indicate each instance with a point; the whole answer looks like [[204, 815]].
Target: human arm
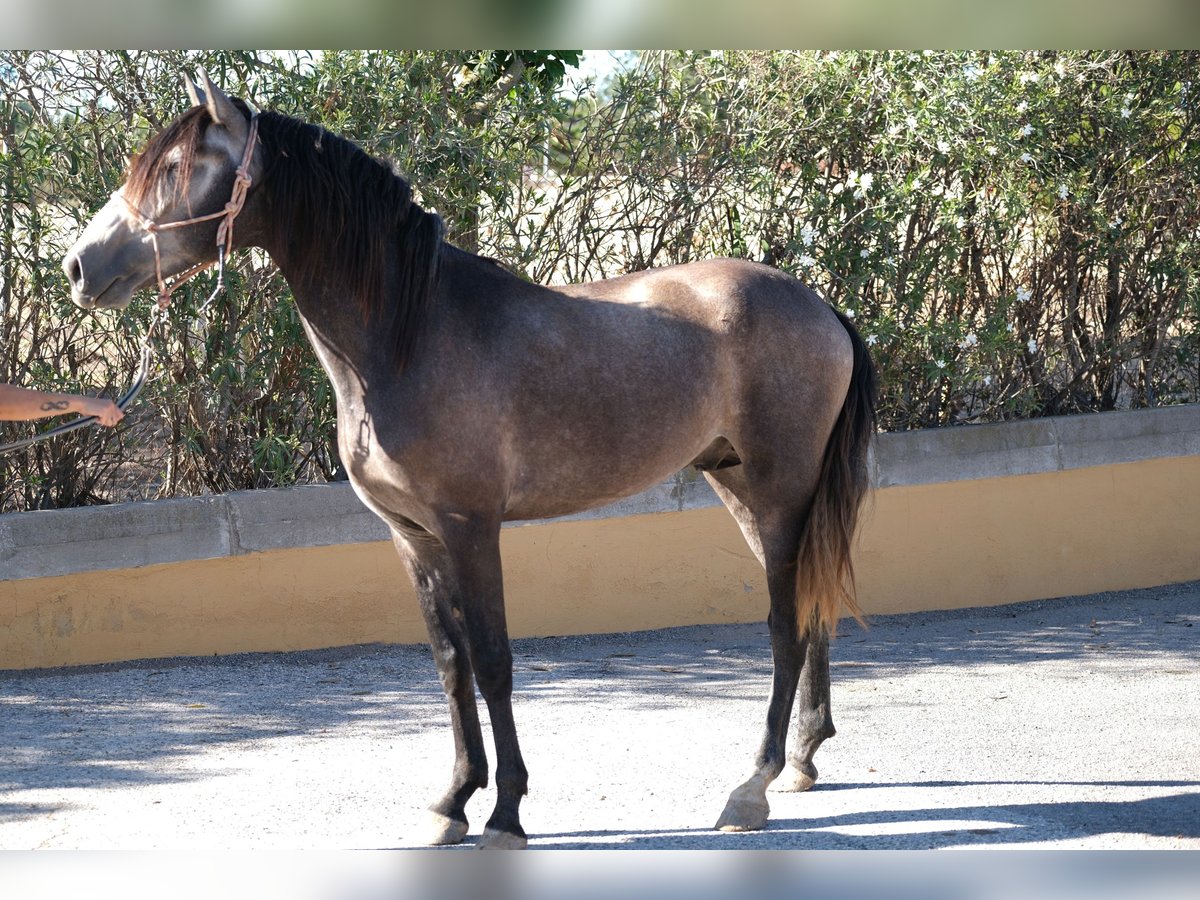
[[21, 404]]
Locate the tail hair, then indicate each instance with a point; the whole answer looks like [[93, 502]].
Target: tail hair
[[825, 572]]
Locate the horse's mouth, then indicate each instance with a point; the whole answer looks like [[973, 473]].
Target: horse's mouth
[[116, 295]]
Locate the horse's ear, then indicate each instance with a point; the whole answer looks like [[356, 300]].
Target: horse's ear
[[194, 93], [221, 108]]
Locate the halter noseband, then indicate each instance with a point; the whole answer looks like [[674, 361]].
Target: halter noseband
[[241, 185]]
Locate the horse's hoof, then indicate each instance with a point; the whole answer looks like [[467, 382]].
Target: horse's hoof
[[442, 830], [494, 839], [745, 811], [795, 779]]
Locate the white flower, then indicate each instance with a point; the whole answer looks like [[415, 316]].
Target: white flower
[[911, 121], [859, 194], [1029, 77], [866, 180], [1125, 112], [987, 380], [1022, 106], [969, 341], [960, 222], [864, 252], [991, 150], [1027, 130], [943, 147], [1061, 68], [1116, 222], [1023, 296], [807, 260], [872, 340], [1032, 345], [849, 314], [807, 233], [1063, 192], [1011, 327], [972, 72], [919, 85], [940, 363], [1027, 157]]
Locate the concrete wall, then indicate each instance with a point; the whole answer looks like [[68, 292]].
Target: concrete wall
[[961, 517]]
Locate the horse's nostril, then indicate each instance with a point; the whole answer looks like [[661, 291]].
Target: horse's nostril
[[74, 270]]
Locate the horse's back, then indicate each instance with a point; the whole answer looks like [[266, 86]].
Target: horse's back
[[723, 293]]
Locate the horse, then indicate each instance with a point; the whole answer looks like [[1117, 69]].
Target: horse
[[467, 397]]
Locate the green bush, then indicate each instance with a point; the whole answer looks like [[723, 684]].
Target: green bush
[[1014, 233]]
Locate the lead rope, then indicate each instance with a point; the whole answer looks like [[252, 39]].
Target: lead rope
[[241, 185]]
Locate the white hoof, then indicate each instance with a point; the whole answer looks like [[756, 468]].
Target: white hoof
[[746, 810], [441, 830], [794, 780], [501, 840]]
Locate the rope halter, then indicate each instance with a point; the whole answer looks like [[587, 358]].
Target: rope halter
[[241, 185]]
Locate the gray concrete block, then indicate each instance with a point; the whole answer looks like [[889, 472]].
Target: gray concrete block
[[312, 515], [127, 535], [966, 452], [1129, 436]]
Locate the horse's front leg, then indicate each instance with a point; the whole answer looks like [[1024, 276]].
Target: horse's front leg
[[467, 601], [432, 575], [474, 546]]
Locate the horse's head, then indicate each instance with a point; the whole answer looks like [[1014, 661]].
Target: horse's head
[[187, 171]]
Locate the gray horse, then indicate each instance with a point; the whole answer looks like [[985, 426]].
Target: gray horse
[[467, 397]]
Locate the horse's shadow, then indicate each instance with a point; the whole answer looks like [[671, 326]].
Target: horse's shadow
[[1170, 816]]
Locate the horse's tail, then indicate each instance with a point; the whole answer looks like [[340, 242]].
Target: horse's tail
[[825, 573]]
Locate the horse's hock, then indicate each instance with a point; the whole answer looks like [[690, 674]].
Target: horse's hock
[[960, 517]]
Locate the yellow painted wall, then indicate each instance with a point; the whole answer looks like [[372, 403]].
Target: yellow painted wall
[[937, 546]]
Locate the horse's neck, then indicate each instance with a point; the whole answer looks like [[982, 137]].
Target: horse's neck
[[339, 335], [349, 348]]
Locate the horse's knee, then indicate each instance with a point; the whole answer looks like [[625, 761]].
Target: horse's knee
[[454, 670]]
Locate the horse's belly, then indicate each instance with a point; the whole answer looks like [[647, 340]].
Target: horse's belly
[[563, 486]]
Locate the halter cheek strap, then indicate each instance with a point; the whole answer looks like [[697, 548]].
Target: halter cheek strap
[[241, 185]]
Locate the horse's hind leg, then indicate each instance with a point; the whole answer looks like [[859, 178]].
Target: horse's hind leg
[[774, 537], [430, 570], [814, 720]]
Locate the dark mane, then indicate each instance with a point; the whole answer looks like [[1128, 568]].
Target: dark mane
[[339, 215], [346, 217]]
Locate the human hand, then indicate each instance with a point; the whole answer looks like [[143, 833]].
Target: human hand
[[105, 411]]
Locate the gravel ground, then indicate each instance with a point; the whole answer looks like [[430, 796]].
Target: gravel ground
[[1069, 723]]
